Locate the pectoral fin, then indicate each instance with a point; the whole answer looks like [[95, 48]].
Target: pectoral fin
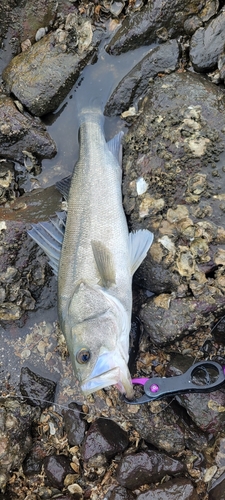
[[140, 242], [104, 262]]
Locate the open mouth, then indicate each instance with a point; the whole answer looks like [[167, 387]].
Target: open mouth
[[107, 371]]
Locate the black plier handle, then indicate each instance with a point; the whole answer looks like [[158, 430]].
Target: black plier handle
[[204, 376]]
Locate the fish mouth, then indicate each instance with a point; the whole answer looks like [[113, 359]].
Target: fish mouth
[[110, 369]]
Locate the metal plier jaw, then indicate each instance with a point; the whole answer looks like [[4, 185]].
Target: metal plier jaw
[[205, 376]]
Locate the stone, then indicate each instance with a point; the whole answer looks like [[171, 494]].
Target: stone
[[19, 132], [75, 425], [104, 437], [56, 468], [171, 490], [207, 44], [217, 491], [141, 28], [38, 390], [163, 58], [42, 76], [146, 467]]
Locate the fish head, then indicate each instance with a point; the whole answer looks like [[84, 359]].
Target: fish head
[[98, 355]]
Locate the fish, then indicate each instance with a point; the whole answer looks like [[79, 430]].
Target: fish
[[94, 257]]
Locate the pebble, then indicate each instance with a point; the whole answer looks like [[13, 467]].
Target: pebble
[[38, 390], [104, 436], [57, 467], [75, 425], [146, 467]]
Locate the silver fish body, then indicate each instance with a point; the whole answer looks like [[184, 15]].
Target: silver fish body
[[98, 259]]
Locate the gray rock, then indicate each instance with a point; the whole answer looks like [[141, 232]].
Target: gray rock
[[137, 469], [19, 132], [192, 24], [104, 436], [161, 428], [160, 315], [141, 28], [161, 59], [207, 44], [171, 490], [175, 146], [43, 75]]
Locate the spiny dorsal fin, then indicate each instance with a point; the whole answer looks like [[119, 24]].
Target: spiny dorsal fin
[[104, 262], [140, 242]]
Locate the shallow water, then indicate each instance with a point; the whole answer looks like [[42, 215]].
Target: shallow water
[[100, 78]]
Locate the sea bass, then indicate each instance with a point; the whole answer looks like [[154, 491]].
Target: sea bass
[[96, 262]]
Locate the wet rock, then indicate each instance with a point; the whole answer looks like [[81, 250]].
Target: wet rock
[[217, 492], [35, 15], [146, 467], [34, 460], [19, 132], [38, 390], [205, 409], [171, 490], [104, 436], [141, 28], [42, 76], [7, 182], [160, 314], [119, 493], [30, 284], [15, 435], [207, 44], [75, 425], [158, 425], [175, 146], [56, 468], [161, 59], [192, 24]]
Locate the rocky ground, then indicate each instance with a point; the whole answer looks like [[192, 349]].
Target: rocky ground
[[53, 442]]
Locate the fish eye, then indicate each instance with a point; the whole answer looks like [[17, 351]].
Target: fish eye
[[83, 356]]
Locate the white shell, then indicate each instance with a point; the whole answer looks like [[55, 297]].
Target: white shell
[[40, 33], [141, 185]]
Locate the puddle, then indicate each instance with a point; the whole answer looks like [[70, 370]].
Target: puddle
[[62, 125]]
